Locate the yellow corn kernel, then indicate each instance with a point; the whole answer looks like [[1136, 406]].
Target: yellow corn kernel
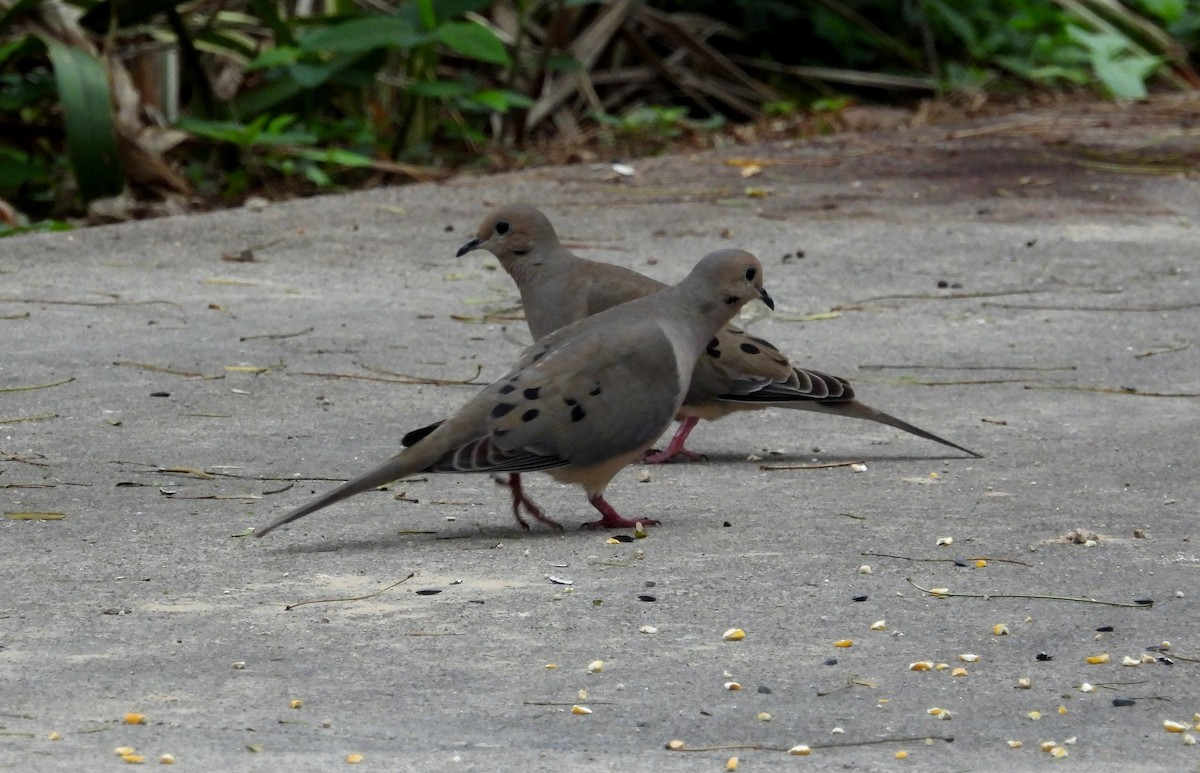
[[133, 718], [734, 634], [580, 710], [800, 750], [1096, 660], [844, 643]]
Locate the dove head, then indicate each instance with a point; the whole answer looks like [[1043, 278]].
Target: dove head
[[511, 232], [735, 277]]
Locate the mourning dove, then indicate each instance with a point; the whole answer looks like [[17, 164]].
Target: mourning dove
[[736, 372], [584, 401]]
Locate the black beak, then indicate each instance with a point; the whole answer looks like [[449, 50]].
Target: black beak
[[471, 245], [762, 293]]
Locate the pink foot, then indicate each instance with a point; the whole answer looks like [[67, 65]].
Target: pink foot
[[675, 448], [612, 519], [519, 500]]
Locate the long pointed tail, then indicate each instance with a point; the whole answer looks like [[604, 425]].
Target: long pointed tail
[[856, 410], [399, 466]]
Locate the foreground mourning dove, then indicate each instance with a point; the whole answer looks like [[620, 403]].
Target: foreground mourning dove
[[736, 372], [586, 400]]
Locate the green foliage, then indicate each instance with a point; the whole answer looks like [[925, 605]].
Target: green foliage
[[359, 90]]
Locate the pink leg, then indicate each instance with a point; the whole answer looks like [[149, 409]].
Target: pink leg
[[519, 499], [676, 447], [612, 519]]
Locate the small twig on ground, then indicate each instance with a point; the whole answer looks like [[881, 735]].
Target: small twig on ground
[[21, 419], [1133, 391], [400, 378], [350, 598], [1152, 352], [945, 560], [37, 386], [277, 336], [1045, 597], [817, 466], [675, 747], [1151, 307], [163, 369]]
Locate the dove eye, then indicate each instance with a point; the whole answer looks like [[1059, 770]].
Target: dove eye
[[502, 227], [750, 273]]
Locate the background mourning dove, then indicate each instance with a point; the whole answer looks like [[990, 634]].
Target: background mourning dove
[[736, 372], [586, 400]]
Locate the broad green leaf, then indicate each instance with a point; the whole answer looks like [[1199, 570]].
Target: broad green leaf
[[364, 34], [501, 101], [474, 41], [88, 119], [274, 57]]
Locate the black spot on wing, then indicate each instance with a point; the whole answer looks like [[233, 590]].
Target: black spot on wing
[[570, 401], [596, 392], [577, 413], [713, 349], [502, 409], [532, 393], [529, 415], [507, 388], [750, 349]]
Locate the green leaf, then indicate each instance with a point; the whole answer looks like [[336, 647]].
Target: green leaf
[[274, 57], [501, 101], [88, 119], [473, 40], [364, 34], [1126, 77]]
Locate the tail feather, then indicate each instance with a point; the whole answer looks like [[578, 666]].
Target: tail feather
[[399, 466], [856, 410]]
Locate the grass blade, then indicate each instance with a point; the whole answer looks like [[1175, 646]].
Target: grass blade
[[88, 119]]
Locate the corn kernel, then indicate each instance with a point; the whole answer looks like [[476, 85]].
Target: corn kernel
[[980, 563], [166, 759], [1128, 661], [580, 710], [1174, 727], [731, 763], [122, 751], [944, 541], [901, 755], [1014, 744], [921, 665], [879, 625], [999, 629], [732, 686], [1034, 715], [968, 657], [734, 634], [1058, 752], [1087, 687], [1096, 660], [296, 703], [595, 667], [800, 750], [1062, 709], [844, 643], [354, 759], [764, 716], [1047, 745], [54, 735], [1189, 739], [675, 744], [133, 718], [133, 759], [960, 671], [1024, 683], [942, 667]]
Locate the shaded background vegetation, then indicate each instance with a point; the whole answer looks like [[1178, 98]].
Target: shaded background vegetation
[[115, 109]]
